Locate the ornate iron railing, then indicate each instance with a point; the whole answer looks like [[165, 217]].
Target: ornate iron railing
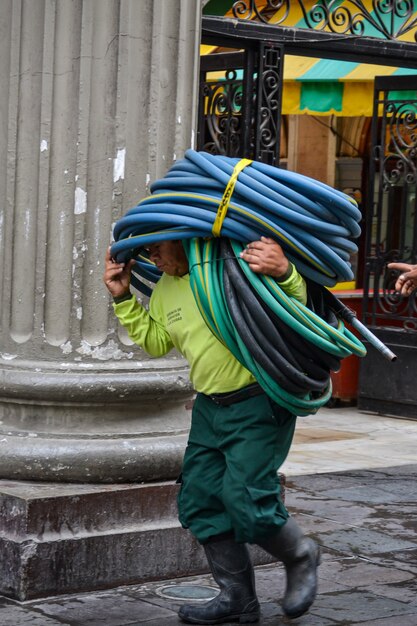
[[240, 110], [398, 164], [222, 119], [391, 19], [269, 105], [392, 221]]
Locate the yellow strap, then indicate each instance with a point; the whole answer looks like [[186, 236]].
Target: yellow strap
[[228, 192]]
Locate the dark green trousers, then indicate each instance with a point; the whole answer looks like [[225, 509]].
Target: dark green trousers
[[229, 476]]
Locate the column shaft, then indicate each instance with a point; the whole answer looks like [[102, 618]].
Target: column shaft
[[98, 99]]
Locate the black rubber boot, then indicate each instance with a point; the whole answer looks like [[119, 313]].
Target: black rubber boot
[[301, 557], [232, 570]]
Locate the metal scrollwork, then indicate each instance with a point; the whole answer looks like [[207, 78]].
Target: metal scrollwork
[[390, 19], [248, 10], [267, 135], [222, 105], [269, 109], [400, 162], [334, 18]]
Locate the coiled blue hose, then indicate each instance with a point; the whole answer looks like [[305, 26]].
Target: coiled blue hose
[[313, 223]]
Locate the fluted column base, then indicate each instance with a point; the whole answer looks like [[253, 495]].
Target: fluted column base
[[116, 423]]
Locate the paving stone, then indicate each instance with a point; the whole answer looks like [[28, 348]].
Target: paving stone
[[314, 526], [382, 473], [272, 614], [369, 495], [354, 607], [403, 591], [402, 559], [406, 620], [361, 572], [112, 609], [320, 482], [334, 509], [166, 621], [387, 518], [403, 491], [270, 583], [365, 541], [12, 615], [310, 620]]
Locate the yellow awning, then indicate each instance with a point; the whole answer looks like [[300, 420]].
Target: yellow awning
[[325, 86], [328, 87]]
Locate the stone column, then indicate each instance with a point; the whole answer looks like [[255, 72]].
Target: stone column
[[98, 99]]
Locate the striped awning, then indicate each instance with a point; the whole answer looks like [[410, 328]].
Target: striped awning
[[329, 87]]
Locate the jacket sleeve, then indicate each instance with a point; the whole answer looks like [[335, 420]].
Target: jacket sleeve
[[142, 328], [295, 286]]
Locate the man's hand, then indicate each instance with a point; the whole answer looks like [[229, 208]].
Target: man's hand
[[407, 281], [266, 257], [117, 276]]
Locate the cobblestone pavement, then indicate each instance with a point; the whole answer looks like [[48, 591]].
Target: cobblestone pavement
[[365, 521]]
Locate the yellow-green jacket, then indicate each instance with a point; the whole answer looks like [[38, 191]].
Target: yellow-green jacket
[[173, 320]]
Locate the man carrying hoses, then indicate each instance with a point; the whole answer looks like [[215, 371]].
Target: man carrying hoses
[[239, 437]]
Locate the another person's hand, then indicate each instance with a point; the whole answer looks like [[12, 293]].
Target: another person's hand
[[407, 281], [117, 276], [267, 257]]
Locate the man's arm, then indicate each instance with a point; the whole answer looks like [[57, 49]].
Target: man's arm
[[407, 281], [141, 327], [267, 257]]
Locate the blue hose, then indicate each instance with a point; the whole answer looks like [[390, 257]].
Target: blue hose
[[313, 223]]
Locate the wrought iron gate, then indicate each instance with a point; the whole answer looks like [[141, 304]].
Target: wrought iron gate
[[391, 235], [240, 115], [240, 103]]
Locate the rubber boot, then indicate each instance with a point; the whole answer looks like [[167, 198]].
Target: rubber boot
[[301, 557], [232, 570]]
